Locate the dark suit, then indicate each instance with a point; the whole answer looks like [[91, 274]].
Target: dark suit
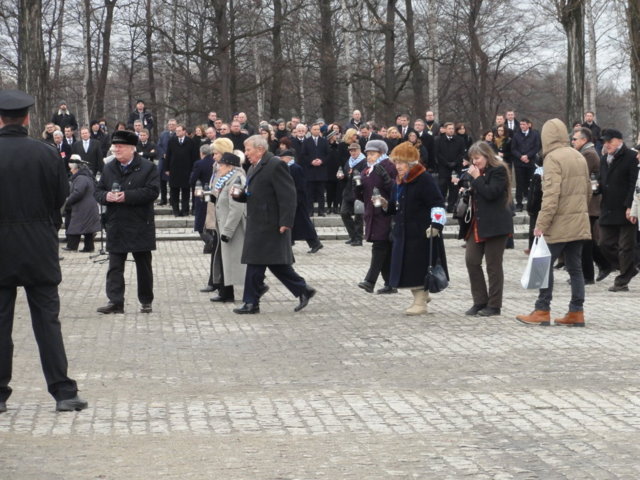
[[179, 162], [29, 258], [449, 155], [429, 143], [147, 150], [372, 136], [271, 204], [64, 150], [313, 148], [528, 145], [405, 134], [93, 155]]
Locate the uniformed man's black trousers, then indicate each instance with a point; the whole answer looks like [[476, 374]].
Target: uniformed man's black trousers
[[115, 277]]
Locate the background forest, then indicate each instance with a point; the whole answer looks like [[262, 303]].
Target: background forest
[[464, 59]]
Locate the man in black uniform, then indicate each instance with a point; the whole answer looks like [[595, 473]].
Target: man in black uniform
[[128, 187], [29, 247]]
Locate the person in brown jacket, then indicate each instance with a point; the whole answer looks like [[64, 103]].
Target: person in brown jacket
[[582, 140], [563, 220]]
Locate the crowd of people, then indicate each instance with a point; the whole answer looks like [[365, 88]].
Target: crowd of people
[[360, 171]]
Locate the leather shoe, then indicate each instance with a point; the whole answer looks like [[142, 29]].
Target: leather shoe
[[247, 308], [315, 248], [537, 317], [208, 289], [222, 299], [67, 249], [619, 288], [474, 310], [304, 298], [386, 290], [602, 274], [366, 286], [356, 244], [489, 312], [349, 242], [71, 404], [571, 319], [111, 308], [262, 290], [3, 407], [146, 308]]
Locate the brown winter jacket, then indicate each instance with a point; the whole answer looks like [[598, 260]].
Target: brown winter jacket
[[566, 188]]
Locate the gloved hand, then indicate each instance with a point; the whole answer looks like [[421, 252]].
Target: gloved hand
[[433, 231], [224, 238]]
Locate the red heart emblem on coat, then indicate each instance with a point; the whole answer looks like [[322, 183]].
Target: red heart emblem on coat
[[437, 216]]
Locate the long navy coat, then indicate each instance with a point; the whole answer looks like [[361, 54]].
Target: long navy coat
[[180, 160], [130, 225], [412, 203], [311, 151], [303, 228]]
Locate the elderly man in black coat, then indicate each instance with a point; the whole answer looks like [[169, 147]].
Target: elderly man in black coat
[[29, 247], [128, 187], [271, 206], [182, 153]]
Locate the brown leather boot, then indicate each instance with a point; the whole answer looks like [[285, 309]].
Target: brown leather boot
[[537, 317], [571, 319]]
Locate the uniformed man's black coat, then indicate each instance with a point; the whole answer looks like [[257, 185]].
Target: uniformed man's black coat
[[130, 225], [33, 187]]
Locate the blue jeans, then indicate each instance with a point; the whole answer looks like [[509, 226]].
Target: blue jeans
[[573, 261]]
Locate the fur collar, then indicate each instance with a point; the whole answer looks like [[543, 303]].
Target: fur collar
[[414, 173]]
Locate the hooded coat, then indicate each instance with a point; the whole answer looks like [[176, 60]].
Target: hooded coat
[[85, 212], [566, 188]]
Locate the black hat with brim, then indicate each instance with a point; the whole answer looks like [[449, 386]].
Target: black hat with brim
[[15, 103], [611, 133], [124, 137], [230, 159]]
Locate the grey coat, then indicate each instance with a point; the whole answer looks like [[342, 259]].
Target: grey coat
[[85, 214], [271, 204], [231, 218]]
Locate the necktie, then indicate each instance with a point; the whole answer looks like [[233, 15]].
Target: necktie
[[181, 141], [315, 140]]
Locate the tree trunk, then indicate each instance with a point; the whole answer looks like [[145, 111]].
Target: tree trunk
[[328, 65], [389, 62], [32, 73], [633, 23], [348, 68], [571, 15], [233, 60], [88, 92], [278, 62], [257, 68], [417, 78], [150, 66], [58, 55], [106, 58], [591, 90], [223, 57], [433, 94], [478, 67]]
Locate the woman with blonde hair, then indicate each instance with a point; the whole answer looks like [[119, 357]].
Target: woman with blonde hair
[[393, 138]]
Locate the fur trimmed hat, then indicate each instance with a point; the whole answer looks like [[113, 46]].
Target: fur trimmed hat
[[405, 152]]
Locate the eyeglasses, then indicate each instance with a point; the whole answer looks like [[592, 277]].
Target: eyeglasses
[[575, 139]]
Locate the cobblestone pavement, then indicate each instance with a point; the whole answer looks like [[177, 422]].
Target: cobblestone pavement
[[347, 388]]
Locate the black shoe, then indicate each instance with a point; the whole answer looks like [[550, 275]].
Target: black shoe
[[222, 299], [474, 309], [386, 290], [146, 308], [315, 248], [489, 312], [356, 243], [559, 266], [304, 298], [619, 288], [366, 286], [208, 289], [84, 250], [262, 290], [589, 282], [322, 214], [602, 274], [349, 242], [111, 308], [247, 308], [71, 404], [3, 407], [519, 208], [67, 249]]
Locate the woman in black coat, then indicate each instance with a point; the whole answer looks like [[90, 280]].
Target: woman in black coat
[[491, 225], [418, 206]]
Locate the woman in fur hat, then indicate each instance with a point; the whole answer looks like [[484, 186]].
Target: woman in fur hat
[[418, 206]]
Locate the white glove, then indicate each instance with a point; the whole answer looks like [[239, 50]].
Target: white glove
[[432, 232]]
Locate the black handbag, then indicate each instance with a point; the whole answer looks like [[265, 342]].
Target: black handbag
[[436, 279]]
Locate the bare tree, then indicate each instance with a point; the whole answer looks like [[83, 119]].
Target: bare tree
[[571, 15], [633, 23], [328, 62]]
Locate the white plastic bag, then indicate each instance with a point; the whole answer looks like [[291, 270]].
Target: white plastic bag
[[536, 275]]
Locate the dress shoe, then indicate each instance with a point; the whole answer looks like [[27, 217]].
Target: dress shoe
[[111, 308], [304, 298], [3, 407], [67, 249], [537, 317], [619, 288], [146, 308], [315, 248], [602, 274], [208, 289], [71, 404], [366, 286], [322, 214], [220, 299], [475, 309], [84, 250], [386, 289], [519, 208], [356, 244], [349, 242], [262, 290], [571, 319], [162, 204], [489, 312], [247, 308]]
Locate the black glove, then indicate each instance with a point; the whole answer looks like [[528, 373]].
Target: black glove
[[224, 238], [382, 173]]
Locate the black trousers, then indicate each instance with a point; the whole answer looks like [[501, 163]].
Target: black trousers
[[380, 262], [115, 277], [73, 241], [617, 244], [523, 179], [352, 222], [163, 191], [448, 189], [180, 197], [44, 305], [315, 193], [334, 193], [591, 253], [254, 280]]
